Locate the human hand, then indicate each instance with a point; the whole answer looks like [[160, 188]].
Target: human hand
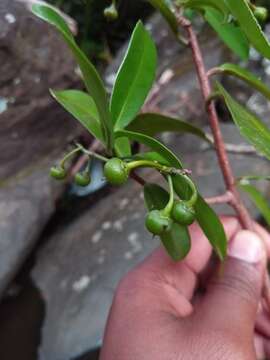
[[157, 314]]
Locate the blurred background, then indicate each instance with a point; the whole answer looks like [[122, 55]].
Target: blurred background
[[63, 249]]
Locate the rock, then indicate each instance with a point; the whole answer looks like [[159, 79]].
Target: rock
[[79, 268], [34, 129]]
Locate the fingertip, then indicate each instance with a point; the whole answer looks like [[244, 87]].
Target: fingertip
[[231, 225], [247, 246]]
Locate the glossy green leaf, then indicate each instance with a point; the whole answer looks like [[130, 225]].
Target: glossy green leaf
[[231, 34], [91, 78], [250, 126], [247, 76], [153, 144], [152, 124], [122, 147], [135, 78], [205, 216], [155, 197], [177, 242], [219, 5], [250, 26], [152, 156], [258, 199], [167, 13], [255, 177], [211, 226], [83, 108]]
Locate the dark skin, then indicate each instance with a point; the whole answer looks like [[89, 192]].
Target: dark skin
[[157, 314]]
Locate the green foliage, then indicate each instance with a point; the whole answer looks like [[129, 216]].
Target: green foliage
[[249, 125], [242, 12], [258, 199], [117, 123], [83, 108], [231, 34], [134, 79], [92, 80], [152, 124], [164, 9], [153, 144], [247, 77]]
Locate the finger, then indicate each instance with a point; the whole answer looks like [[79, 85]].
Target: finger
[[264, 235], [232, 298], [183, 275], [262, 347]]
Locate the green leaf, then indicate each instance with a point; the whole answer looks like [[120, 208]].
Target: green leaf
[[254, 177], [153, 144], [250, 126], [211, 226], [135, 78], [246, 76], [258, 199], [83, 108], [152, 124], [232, 35], [155, 197], [250, 26], [205, 216], [152, 156], [167, 13], [177, 242], [219, 5], [122, 147], [91, 78]]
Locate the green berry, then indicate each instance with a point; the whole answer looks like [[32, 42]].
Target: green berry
[[82, 179], [116, 171], [157, 223], [111, 12], [182, 213], [261, 14], [58, 173]]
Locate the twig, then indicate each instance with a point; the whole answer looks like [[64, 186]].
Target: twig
[[137, 178], [225, 166], [226, 198], [83, 160], [243, 214]]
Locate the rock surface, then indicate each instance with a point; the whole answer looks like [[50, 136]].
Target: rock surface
[[79, 268], [34, 129]]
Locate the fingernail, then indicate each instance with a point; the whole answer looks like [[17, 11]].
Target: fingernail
[[247, 246]]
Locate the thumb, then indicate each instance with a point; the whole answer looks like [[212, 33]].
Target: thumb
[[233, 295]]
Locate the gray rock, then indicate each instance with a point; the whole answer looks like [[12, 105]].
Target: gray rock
[[79, 268], [34, 129]]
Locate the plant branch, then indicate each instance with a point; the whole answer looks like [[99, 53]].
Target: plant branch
[[225, 166], [226, 198]]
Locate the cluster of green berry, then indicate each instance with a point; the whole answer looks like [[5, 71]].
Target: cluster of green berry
[[157, 222], [117, 171]]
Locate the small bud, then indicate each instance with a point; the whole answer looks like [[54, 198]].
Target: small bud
[[58, 173], [111, 12], [261, 14], [82, 179]]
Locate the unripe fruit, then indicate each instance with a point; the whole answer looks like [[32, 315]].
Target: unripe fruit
[[58, 173], [82, 179], [116, 171], [157, 223], [111, 12], [261, 14], [182, 213]]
